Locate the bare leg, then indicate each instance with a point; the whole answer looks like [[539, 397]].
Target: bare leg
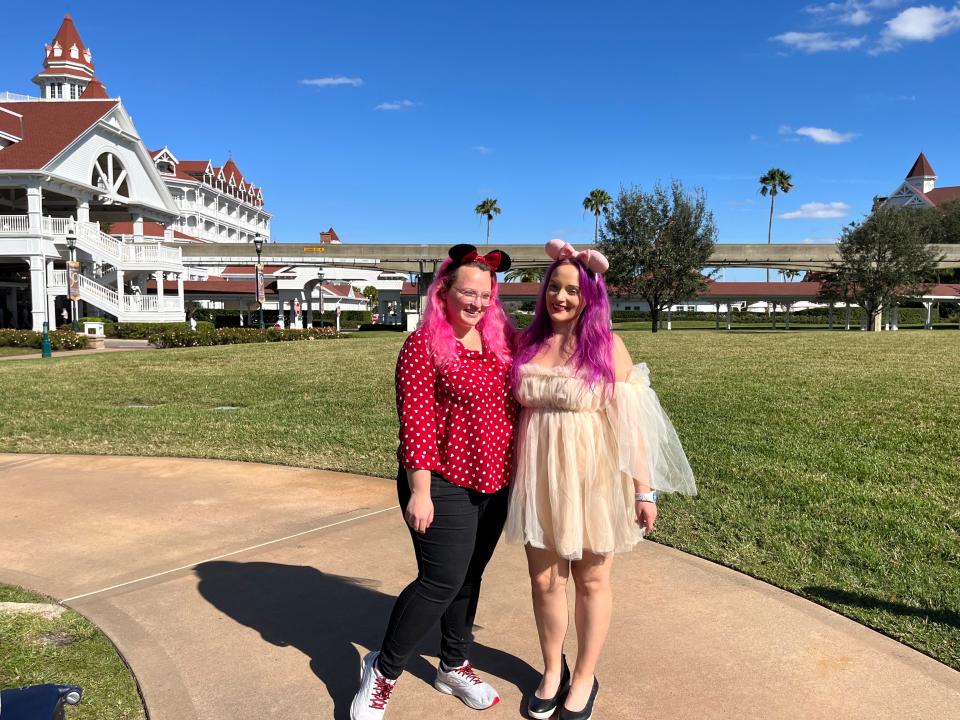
[[594, 606], [548, 584]]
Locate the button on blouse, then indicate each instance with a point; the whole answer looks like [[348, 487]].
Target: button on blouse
[[457, 421]]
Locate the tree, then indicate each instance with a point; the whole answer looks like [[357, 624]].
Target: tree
[[529, 274], [370, 293], [884, 259], [772, 182], [488, 208], [657, 244], [597, 202], [790, 275]]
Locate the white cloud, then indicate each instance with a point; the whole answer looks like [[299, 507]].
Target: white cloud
[[919, 24], [785, 130], [333, 81], [817, 211], [396, 105], [815, 240], [483, 149], [814, 42], [825, 136]]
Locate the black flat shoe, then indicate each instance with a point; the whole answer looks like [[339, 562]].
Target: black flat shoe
[[587, 711], [540, 709]]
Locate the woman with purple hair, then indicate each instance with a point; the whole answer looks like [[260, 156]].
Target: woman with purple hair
[[593, 448], [456, 435]]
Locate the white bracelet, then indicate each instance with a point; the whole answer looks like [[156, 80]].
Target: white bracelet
[[646, 497]]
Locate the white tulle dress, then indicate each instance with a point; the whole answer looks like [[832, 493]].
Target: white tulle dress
[[577, 455]]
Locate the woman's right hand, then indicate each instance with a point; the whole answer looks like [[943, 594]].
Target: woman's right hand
[[419, 513]]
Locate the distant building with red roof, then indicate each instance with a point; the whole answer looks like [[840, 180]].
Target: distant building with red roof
[[919, 188]]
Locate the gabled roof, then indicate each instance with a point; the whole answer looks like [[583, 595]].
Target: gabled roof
[[230, 169], [48, 128], [94, 91], [921, 168], [66, 37], [59, 71], [329, 237]]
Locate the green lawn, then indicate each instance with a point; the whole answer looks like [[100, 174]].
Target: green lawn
[[827, 462], [70, 650], [6, 351]]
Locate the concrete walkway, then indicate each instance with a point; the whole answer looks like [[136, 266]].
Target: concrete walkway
[[250, 591]]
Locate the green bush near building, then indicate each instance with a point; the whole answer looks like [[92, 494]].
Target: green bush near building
[[62, 338], [185, 337]]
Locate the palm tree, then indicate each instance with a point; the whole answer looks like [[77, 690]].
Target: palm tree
[[530, 274], [598, 201], [488, 208], [775, 180]]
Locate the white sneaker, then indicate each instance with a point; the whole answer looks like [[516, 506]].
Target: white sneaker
[[464, 683], [371, 699]]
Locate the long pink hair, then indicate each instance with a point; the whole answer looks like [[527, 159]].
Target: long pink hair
[[495, 327]]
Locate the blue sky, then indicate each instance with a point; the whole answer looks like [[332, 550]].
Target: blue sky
[[417, 111]]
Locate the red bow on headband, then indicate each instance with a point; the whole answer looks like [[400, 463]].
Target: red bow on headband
[[491, 259]]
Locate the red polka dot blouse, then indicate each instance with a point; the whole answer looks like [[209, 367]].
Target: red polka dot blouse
[[458, 422]]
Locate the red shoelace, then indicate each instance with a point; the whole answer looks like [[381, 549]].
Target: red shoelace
[[467, 671], [381, 693]]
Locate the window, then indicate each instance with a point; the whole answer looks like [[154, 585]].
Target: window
[[110, 176], [74, 91], [56, 91]]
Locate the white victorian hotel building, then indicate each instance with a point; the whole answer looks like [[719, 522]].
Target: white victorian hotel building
[[75, 177]]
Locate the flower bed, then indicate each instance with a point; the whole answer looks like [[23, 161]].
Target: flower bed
[[175, 337]]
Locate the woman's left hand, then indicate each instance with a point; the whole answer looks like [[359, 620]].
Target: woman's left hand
[[646, 515]]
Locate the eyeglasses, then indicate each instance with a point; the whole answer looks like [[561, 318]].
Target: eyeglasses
[[475, 297]]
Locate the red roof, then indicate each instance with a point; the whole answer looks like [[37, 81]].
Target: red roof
[[150, 229], [94, 91], [219, 287], [939, 196], [744, 290], [67, 36], [48, 127], [251, 269], [230, 168], [330, 236], [10, 123], [70, 71], [921, 168]]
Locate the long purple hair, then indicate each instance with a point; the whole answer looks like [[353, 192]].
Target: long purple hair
[[495, 327], [593, 356]]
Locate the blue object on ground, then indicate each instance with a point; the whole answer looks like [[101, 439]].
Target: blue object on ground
[[38, 702]]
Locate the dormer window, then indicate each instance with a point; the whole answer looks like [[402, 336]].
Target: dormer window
[[87, 56], [57, 50], [166, 167], [74, 52]]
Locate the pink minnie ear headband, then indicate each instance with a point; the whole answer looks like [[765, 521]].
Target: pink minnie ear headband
[[594, 261]]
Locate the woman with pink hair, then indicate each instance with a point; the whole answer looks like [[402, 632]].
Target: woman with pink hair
[[456, 430], [593, 449]]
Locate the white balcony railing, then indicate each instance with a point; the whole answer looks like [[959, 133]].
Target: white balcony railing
[[14, 224], [57, 279], [98, 295], [140, 303], [56, 226]]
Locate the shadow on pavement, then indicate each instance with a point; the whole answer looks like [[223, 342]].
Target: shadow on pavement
[[323, 615], [844, 597]]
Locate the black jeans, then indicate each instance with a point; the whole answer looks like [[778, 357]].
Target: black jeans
[[451, 558]]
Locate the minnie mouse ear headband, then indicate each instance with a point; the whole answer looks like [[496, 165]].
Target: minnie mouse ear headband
[[594, 261], [496, 260]]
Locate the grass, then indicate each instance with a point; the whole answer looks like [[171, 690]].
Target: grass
[[827, 462], [7, 351], [69, 649]]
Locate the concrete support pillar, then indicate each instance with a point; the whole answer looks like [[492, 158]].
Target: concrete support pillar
[[158, 275], [669, 318], [137, 226], [928, 320], [38, 293], [878, 320], [847, 316], [51, 299], [896, 317], [786, 323], [308, 298], [728, 316], [35, 208], [716, 317]]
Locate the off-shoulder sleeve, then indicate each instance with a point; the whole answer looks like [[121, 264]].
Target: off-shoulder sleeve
[[416, 405], [650, 450]]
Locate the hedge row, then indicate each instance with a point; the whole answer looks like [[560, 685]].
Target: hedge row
[[231, 318], [141, 331], [173, 338], [60, 339]]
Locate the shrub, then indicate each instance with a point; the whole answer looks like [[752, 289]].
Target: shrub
[[177, 337], [60, 339], [141, 331]]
